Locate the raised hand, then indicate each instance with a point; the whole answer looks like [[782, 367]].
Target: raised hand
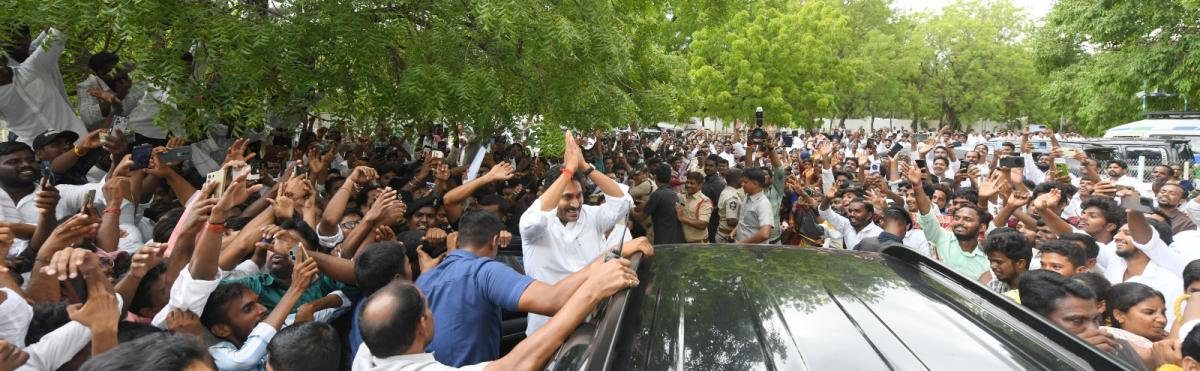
[[1048, 200], [991, 186], [91, 140], [912, 173], [46, 200], [1018, 199], [180, 321], [117, 188], [501, 172], [237, 152], [236, 193], [99, 310], [147, 257], [363, 174], [303, 274], [70, 232]]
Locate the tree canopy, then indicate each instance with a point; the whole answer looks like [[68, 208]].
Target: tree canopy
[[402, 67], [1097, 55]]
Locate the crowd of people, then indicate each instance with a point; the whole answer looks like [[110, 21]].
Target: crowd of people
[[127, 245]]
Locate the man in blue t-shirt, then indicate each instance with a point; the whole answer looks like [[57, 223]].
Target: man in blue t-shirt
[[468, 290]]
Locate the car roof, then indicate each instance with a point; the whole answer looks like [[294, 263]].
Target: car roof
[[742, 307]]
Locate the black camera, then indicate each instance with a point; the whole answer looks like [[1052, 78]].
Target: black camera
[[758, 135]]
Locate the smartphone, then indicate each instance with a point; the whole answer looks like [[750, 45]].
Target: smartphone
[[141, 157], [88, 198], [921, 164], [103, 134], [176, 155], [299, 169], [297, 253], [255, 172], [47, 173], [438, 154], [121, 123], [1061, 165], [1122, 187], [1036, 129], [1012, 162], [963, 165], [896, 148], [1138, 203], [221, 178]]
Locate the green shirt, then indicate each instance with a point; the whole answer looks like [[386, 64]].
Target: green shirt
[[269, 293], [971, 264]]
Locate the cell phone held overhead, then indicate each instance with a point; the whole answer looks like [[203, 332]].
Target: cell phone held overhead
[[1138, 203], [1012, 162]]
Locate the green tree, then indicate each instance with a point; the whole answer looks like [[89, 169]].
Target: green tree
[[1098, 54], [401, 66], [978, 64], [882, 58], [777, 55]]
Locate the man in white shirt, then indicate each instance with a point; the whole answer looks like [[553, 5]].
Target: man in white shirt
[[19, 184], [560, 235], [32, 96], [858, 226], [1117, 174], [106, 91], [1136, 237]]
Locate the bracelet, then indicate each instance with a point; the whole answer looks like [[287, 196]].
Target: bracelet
[[77, 152], [589, 170], [112, 210], [567, 170], [215, 228]]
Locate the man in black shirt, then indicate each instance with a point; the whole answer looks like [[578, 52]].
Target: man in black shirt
[[714, 183], [660, 209]]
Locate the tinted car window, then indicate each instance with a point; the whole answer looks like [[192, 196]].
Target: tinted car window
[[741, 308]]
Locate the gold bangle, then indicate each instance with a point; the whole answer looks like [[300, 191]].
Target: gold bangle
[[76, 151]]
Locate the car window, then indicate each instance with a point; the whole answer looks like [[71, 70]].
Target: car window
[[1156, 154], [728, 308]]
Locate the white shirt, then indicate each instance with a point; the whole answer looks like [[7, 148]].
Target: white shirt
[[89, 106], [188, 294], [141, 119], [36, 99], [554, 251], [915, 239], [24, 210], [851, 236], [59, 346], [1155, 276], [364, 361]]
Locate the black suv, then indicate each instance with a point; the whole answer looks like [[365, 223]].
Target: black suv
[[754, 307]]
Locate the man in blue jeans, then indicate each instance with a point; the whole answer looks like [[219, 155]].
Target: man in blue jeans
[[468, 290]]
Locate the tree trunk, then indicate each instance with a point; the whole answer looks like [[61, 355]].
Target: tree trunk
[[951, 115]]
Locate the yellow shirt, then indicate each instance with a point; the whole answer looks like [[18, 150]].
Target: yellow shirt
[[697, 206]]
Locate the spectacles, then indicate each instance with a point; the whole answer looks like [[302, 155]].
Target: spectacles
[[349, 225]]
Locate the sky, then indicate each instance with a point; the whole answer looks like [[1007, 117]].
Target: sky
[[1036, 9]]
